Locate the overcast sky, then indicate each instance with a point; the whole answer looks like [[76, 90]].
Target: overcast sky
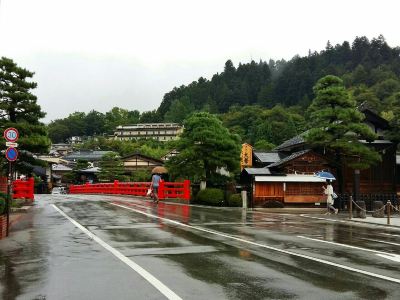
[[95, 54]]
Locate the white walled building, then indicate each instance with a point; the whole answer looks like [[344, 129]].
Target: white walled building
[[159, 131]]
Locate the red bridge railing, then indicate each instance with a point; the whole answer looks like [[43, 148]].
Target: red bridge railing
[[166, 190], [23, 189]]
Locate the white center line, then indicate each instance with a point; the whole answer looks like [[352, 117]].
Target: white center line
[[262, 245], [142, 272]]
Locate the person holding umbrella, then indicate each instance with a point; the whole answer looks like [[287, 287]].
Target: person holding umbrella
[[155, 182], [328, 191]]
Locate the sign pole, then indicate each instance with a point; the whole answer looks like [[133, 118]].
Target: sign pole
[[11, 135], [9, 187]]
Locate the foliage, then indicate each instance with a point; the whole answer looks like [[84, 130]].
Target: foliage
[[111, 168], [19, 109], [273, 126], [179, 110], [97, 124], [371, 64], [150, 147], [204, 146], [337, 124], [141, 176], [235, 200], [210, 196]]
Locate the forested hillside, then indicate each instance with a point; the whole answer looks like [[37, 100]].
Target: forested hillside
[[370, 68], [266, 102]]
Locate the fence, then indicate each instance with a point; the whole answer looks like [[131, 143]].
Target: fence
[[378, 211], [166, 189], [23, 189], [369, 199]]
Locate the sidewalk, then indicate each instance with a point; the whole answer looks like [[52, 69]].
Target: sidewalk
[[344, 217]]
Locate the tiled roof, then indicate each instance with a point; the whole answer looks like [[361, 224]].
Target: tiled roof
[[298, 139], [257, 171], [289, 158], [59, 167], [86, 155], [267, 157]]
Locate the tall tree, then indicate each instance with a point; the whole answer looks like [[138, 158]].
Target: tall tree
[[338, 125], [19, 109], [205, 145]]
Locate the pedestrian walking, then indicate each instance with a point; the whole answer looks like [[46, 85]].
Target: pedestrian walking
[[155, 182], [328, 191]]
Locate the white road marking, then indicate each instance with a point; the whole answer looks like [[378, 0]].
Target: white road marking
[[396, 259], [383, 242], [396, 280], [391, 256], [142, 272]]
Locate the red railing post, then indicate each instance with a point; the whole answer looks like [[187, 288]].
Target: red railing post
[[186, 189], [115, 188], [31, 186], [161, 187]]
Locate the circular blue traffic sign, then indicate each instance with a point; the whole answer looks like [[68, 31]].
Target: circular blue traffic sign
[[11, 154]]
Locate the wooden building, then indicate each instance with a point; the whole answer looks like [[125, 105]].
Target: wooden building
[[295, 157], [288, 189], [139, 161]]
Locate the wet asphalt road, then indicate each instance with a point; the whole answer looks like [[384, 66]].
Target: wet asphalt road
[[191, 252]]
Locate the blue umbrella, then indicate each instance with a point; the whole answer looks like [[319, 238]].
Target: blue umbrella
[[325, 175]]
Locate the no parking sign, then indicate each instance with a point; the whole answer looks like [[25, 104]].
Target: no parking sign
[[11, 154]]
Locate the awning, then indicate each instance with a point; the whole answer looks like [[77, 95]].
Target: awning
[[289, 178]]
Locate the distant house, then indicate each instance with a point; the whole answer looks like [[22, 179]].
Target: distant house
[[90, 156], [59, 170], [61, 149], [137, 161], [158, 131], [170, 154]]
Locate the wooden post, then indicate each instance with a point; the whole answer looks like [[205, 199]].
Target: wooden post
[[356, 185], [388, 207], [350, 207]]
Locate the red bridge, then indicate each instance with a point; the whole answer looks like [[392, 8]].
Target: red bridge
[[166, 190]]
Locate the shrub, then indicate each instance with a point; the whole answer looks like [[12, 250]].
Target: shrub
[[211, 196], [235, 200]]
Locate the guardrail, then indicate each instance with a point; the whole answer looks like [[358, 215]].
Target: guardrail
[[23, 189], [166, 190]]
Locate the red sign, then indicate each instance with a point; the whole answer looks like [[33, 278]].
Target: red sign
[[11, 134]]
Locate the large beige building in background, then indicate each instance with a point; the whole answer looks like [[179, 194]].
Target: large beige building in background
[[159, 131]]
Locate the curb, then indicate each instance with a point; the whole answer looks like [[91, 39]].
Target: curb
[[352, 221]]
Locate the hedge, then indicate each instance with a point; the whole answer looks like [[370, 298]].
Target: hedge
[[210, 196], [235, 200]]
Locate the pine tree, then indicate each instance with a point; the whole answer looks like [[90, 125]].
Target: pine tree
[[19, 109], [338, 125], [204, 146], [111, 167]]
